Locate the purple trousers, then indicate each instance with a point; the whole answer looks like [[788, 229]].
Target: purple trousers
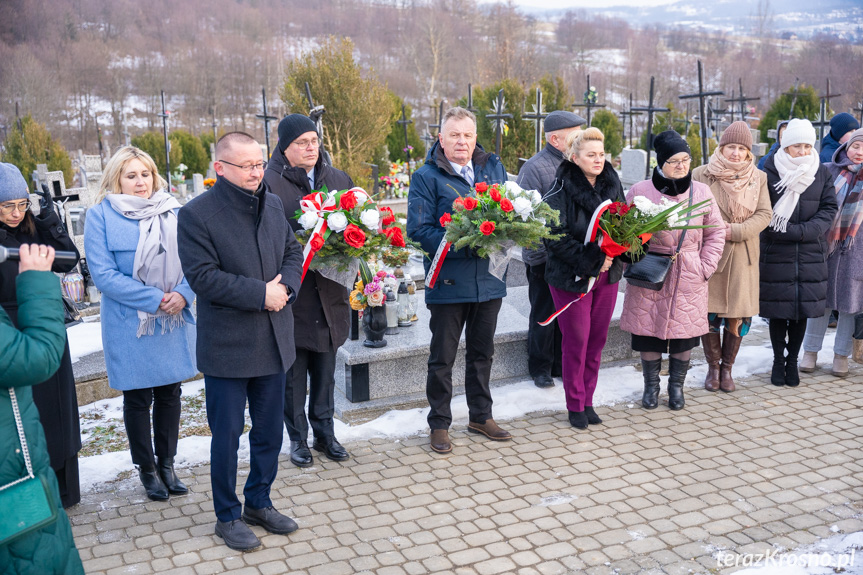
[[584, 327]]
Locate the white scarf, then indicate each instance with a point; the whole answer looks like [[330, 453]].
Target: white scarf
[[157, 260], [795, 176]]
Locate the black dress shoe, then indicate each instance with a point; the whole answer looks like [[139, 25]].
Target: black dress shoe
[[237, 535], [330, 447], [300, 454], [592, 417], [169, 477], [156, 489], [269, 519], [543, 381], [577, 419]]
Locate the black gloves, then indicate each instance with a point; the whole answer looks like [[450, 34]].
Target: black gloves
[[46, 200]]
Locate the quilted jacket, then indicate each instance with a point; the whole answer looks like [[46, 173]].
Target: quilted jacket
[[679, 309], [28, 357]]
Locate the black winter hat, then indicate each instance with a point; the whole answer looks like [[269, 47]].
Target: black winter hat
[[667, 144], [841, 124], [292, 127]]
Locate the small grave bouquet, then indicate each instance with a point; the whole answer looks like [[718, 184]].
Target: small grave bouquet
[[370, 289], [626, 228], [498, 218]]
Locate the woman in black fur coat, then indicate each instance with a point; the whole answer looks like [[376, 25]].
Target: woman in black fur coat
[[583, 182]]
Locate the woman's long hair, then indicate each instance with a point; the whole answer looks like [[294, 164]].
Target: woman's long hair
[[110, 183]]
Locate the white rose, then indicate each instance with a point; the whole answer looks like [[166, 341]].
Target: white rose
[[535, 197], [370, 218], [337, 221], [308, 220], [512, 189], [522, 207]]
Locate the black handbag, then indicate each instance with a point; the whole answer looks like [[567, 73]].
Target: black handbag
[[650, 271]]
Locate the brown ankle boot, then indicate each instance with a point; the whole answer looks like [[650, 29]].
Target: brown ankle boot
[[712, 353], [730, 347]]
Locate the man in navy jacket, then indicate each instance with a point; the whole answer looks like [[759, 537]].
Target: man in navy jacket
[[465, 294], [244, 263]]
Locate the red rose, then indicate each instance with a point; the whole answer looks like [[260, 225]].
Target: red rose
[[495, 195], [612, 209], [458, 203], [381, 274], [354, 236], [317, 242], [470, 203], [348, 201], [481, 187], [624, 209], [506, 205], [445, 219], [387, 216], [487, 228], [395, 236]]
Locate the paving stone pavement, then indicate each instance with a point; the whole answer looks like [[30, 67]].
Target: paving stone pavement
[[645, 492]]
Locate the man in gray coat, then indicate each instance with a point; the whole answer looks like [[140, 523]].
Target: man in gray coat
[[244, 263], [543, 343]]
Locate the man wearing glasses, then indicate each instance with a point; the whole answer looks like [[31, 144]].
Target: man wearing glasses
[[244, 263], [321, 313]]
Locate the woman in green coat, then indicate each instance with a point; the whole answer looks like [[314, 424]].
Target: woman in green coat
[[29, 357]]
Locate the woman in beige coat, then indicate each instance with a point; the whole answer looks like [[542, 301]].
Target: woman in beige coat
[[740, 190]]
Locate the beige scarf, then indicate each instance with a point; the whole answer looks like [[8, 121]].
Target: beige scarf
[[738, 181]]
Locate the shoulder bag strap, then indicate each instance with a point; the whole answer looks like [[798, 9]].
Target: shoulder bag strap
[[683, 235], [22, 439]]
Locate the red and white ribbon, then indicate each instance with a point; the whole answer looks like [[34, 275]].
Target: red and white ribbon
[[437, 263], [590, 236]]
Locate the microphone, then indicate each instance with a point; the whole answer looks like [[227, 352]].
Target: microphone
[[12, 255]]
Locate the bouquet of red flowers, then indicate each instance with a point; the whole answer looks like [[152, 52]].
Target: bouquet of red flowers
[[626, 228], [498, 218]]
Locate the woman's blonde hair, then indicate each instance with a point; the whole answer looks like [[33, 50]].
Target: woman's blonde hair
[[576, 140], [110, 183]]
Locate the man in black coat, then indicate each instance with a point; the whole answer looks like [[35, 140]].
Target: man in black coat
[[543, 342], [244, 263], [321, 312]]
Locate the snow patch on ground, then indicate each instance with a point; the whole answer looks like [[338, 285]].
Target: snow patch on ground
[[833, 555], [557, 499], [84, 339]]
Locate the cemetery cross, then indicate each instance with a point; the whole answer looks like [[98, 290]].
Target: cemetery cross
[[651, 110], [702, 95]]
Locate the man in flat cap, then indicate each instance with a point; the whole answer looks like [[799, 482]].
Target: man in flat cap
[[543, 343]]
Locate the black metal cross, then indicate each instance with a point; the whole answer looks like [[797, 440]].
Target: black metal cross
[[537, 117], [793, 95], [628, 114], [470, 107], [702, 95], [315, 113], [404, 124], [588, 103], [427, 138], [214, 125], [651, 110], [164, 115], [827, 95], [266, 118], [498, 118], [741, 99], [439, 125], [822, 120]]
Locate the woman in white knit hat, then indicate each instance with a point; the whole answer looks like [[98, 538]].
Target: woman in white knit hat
[[794, 247]]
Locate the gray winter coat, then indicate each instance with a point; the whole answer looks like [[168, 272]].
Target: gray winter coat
[[845, 264], [538, 174]]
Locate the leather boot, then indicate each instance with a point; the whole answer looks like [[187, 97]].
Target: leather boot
[[151, 481], [169, 477], [650, 371], [792, 376], [712, 353], [677, 370], [777, 373], [730, 347]]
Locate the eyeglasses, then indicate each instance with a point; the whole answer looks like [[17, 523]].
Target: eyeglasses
[[248, 169], [675, 163], [22, 207], [304, 144]]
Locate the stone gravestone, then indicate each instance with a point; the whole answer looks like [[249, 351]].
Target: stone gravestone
[[39, 175], [633, 163], [759, 148], [197, 185]]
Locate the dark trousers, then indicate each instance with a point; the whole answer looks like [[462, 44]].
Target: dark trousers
[[319, 369], [67, 481], [543, 342], [165, 400], [226, 406], [794, 329], [479, 321]]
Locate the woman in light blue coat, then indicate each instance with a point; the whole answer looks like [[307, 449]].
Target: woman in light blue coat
[[148, 328]]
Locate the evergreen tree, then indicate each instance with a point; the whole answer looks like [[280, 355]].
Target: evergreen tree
[[608, 123], [807, 106], [194, 155], [154, 144], [395, 141], [32, 144]]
